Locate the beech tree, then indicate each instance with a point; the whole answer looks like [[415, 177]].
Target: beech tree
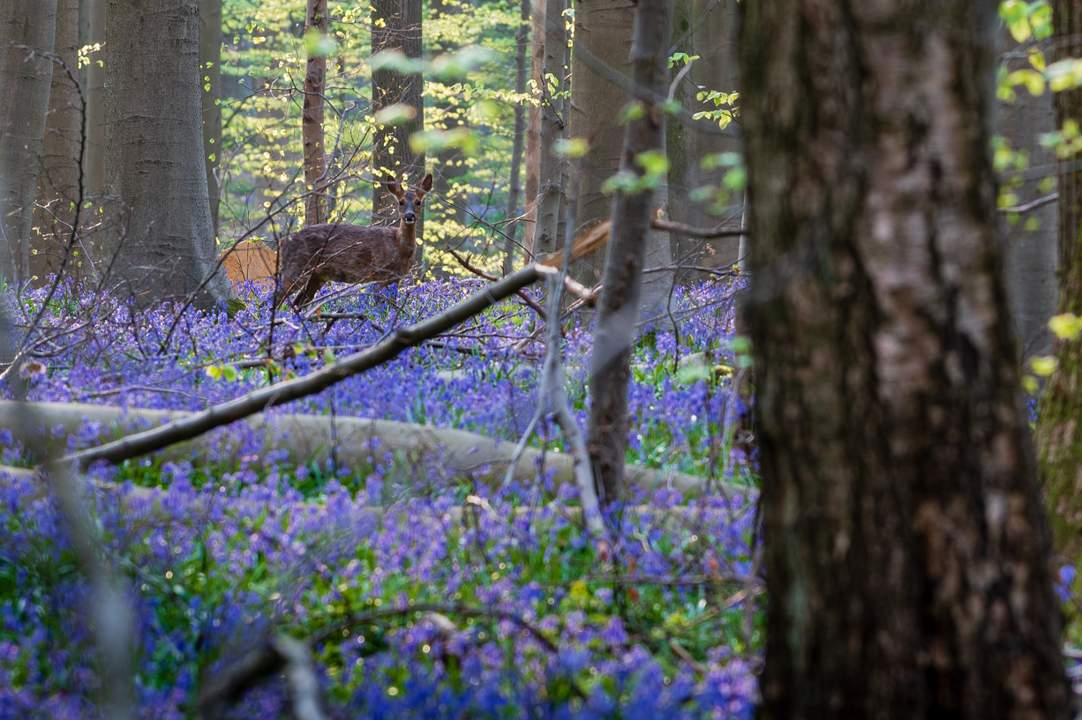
[[57, 189], [315, 154], [907, 553], [610, 368], [154, 153], [210, 73], [25, 75], [1059, 434], [396, 24]]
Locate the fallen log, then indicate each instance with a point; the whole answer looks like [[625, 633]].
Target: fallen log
[[353, 441]]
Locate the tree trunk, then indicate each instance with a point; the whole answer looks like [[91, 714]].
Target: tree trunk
[[533, 122], [24, 99], [1032, 251], [616, 325], [396, 24], [315, 155], [602, 29], [1059, 432], [551, 198], [210, 68], [511, 230], [164, 246], [906, 548], [58, 185], [95, 99], [450, 164]]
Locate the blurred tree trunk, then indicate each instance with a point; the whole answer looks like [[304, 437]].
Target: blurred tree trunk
[[602, 29], [546, 237], [707, 29], [1032, 237], [164, 245], [24, 100], [533, 123], [210, 69], [315, 155], [1059, 432], [396, 24], [58, 184], [522, 41], [907, 553], [619, 306], [95, 99]]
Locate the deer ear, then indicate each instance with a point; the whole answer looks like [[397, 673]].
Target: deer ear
[[426, 184], [392, 185]]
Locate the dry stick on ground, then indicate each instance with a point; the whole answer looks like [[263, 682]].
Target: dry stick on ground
[[287, 391], [553, 395], [231, 683]]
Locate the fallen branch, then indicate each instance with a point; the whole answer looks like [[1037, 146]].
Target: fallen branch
[[311, 438], [691, 231], [290, 390]]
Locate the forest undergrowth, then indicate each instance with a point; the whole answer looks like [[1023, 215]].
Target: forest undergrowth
[[421, 590]]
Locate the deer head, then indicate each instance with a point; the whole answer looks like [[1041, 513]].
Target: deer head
[[410, 201]]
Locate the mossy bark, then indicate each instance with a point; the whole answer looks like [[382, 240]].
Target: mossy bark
[[1059, 428], [906, 546]]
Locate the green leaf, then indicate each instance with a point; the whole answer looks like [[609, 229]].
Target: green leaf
[[397, 61], [396, 114], [318, 44], [570, 147]]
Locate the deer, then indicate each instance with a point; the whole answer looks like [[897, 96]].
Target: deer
[[352, 253]]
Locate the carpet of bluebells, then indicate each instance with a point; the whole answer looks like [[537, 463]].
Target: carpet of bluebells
[[220, 551]]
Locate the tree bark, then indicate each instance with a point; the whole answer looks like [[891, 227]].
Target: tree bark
[[210, 69], [533, 122], [546, 237], [1059, 432], [515, 192], [396, 24], [603, 29], [450, 162], [315, 155], [616, 326], [1032, 251], [25, 26], [95, 100], [58, 184], [906, 548], [154, 148]]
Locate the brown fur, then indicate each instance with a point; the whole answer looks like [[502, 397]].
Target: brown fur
[[351, 253]]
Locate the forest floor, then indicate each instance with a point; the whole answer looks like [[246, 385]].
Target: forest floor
[[423, 589]]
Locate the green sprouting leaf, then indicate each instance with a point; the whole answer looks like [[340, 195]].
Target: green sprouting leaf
[[214, 372], [450, 67], [735, 179], [1044, 365], [653, 162], [623, 181], [1064, 74], [570, 147], [395, 114], [229, 372], [1066, 326], [1033, 80], [318, 44], [397, 61], [435, 141], [632, 111]]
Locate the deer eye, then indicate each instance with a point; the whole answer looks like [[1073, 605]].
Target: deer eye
[[402, 202]]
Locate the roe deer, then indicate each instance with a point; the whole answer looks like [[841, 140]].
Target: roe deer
[[352, 253]]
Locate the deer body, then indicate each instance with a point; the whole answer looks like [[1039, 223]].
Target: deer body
[[351, 253]]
